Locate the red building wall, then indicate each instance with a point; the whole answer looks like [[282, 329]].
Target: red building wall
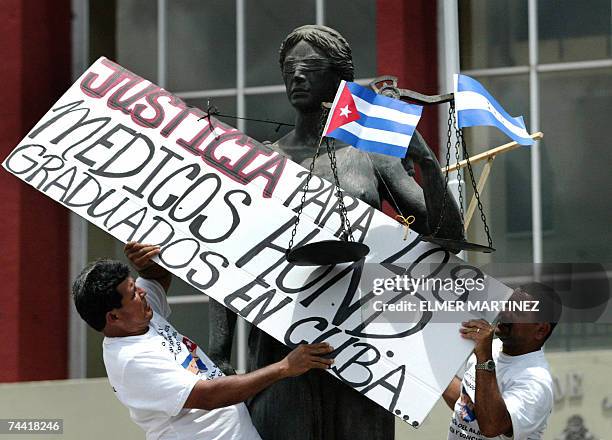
[[35, 71], [406, 47]]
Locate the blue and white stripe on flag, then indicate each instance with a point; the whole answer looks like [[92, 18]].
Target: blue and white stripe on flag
[[372, 122], [475, 106]]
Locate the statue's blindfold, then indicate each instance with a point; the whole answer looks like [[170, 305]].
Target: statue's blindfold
[[307, 65]]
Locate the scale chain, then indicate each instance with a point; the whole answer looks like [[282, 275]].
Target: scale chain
[[346, 224], [310, 173], [458, 146], [483, 217], [449, 133]]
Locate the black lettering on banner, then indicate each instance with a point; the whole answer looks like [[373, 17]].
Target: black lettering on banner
[[91, 211], [265, 311], [157, 221], [383, 382], [353, 203], [323, 191], [52, 163], [211, 195], [172, 257], [214, 272], [71, 107], [196, 225], [195, 170], [104, 141], [139, 215], [280, 279], [362, 224], [321, 324], [145, 182], [300, 188], [68, 199], [82, 122], [57, 182], [357, 265], [356, 360], [266, 243], [15, 155], [102, 170], [241, 294]]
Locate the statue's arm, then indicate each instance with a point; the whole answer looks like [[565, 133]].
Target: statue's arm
[[424, 202], [222, 322]]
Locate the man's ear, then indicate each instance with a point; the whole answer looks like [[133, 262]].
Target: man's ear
[[111, 317]]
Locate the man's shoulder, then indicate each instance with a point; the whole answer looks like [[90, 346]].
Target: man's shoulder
[[122, 349]]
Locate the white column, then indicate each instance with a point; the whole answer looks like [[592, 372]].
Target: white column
[[534, 126], [320, 12], [241, 337], [162, 19], [77, 331], [449, 64]]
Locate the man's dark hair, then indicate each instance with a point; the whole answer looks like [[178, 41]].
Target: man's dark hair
[[326, 39], [549, 303], [95, 291]]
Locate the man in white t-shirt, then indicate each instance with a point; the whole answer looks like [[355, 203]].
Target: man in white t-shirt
[[171, 388], [507, 389]]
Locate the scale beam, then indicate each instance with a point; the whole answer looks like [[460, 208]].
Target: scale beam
[[387, 85]]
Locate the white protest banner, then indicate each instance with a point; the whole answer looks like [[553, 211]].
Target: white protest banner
[[139, 163]]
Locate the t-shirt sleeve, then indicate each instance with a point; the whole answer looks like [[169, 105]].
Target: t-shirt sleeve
[[156, 296], [152, 382], [529, 402]]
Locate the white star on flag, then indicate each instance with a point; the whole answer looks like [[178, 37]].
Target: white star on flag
[[344, 111]]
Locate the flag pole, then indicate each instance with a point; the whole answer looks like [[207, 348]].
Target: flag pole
[[492, 152]]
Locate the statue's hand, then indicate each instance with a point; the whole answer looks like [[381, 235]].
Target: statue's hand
[[418, 151]]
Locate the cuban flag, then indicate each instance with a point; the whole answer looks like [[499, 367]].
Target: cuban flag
[[371, 122], [475, 106]]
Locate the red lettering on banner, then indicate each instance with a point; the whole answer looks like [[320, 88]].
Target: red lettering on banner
[[205, 143]]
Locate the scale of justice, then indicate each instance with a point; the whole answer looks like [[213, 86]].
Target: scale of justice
[[346, 249]]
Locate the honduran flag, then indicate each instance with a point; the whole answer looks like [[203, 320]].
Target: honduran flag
[[371, 122], [475, 106]]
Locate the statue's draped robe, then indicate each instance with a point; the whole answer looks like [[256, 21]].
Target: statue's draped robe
[[317, 406]]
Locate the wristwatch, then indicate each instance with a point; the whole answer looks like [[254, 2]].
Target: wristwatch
[[486, 365]]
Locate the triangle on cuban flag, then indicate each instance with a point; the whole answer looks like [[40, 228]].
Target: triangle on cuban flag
[[370, 122], [343, 110]]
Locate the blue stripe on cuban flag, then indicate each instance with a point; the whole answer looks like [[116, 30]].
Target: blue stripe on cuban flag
[[385, 125], [475, 106]]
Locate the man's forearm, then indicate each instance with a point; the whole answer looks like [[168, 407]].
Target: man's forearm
[[490, 408], [229, 390], [452, 392]]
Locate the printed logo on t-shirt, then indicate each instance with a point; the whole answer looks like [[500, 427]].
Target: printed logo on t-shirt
[[466, 407], [175, 342], [193, 363]]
